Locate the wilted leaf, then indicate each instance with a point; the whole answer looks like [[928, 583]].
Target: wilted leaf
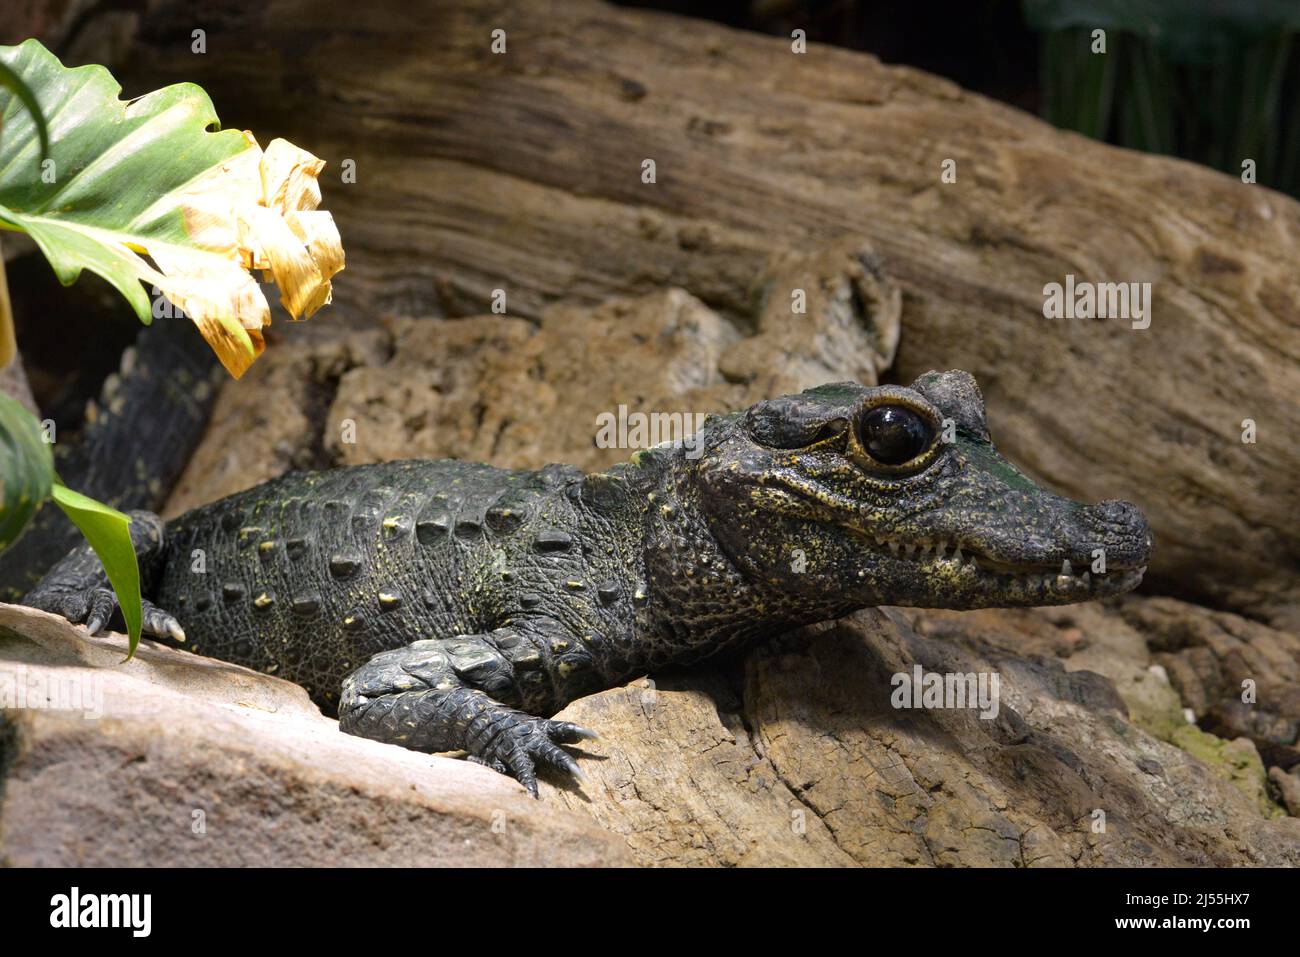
[[147, 178]]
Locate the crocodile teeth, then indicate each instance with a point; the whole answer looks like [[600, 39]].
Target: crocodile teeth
[[956, 556], [1065, 568]]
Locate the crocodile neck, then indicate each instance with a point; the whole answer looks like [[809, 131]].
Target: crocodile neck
[[701, 601]]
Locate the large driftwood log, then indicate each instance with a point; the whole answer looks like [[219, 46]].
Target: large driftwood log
[[522, 171]]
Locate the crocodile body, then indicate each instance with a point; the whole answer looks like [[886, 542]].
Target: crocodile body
[[447, 605], [344, 564]]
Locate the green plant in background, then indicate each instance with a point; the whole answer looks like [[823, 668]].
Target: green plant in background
[[1215, 83], [148, 191]]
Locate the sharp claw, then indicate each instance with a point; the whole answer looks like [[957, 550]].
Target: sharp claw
[[564, 761], [174, 630], [536, 741], [94, 624], [524, 771]]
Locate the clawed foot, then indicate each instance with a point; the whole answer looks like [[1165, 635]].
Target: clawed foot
[[95, 608], [514, 742], [432, 696]]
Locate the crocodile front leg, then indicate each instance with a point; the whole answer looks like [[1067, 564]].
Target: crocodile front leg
[[465, 693], [77, 586]]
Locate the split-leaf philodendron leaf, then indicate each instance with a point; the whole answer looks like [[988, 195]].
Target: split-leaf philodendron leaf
[[11, 81], [147, 191]]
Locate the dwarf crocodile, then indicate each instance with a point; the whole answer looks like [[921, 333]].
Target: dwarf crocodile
[[444, 605]]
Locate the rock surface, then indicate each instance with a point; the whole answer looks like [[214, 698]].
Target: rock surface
[[796, 756], [176, 760], [1237, 676], [792, 755]]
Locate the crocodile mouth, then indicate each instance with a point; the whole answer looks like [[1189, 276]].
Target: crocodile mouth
[[962, 564], [964, 567]]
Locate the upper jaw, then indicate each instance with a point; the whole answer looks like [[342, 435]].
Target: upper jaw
[[964, 569]]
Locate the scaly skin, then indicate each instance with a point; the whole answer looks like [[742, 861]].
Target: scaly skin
[[446, 605]]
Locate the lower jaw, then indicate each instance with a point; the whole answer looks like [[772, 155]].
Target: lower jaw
[[980, 574], [992, 589], [948, 584]]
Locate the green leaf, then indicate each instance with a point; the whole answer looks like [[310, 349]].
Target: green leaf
[[26, 468], [27, 479], [12, 82], [109, 534]]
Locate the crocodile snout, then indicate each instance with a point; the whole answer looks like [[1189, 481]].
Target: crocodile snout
[[1124, 532]]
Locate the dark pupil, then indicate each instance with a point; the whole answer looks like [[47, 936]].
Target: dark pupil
[[894, 435]]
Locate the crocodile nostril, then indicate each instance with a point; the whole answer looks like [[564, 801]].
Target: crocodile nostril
[[1118, 512], [1123, 522]]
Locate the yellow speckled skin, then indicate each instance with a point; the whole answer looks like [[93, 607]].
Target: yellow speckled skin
[[445, 605]]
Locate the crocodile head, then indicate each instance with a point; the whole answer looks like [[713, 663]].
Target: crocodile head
[[895, 495]]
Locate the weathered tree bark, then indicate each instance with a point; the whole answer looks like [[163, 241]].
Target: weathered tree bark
[[522, 171]]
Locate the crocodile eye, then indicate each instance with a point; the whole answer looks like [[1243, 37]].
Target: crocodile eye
[[894, 434]]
